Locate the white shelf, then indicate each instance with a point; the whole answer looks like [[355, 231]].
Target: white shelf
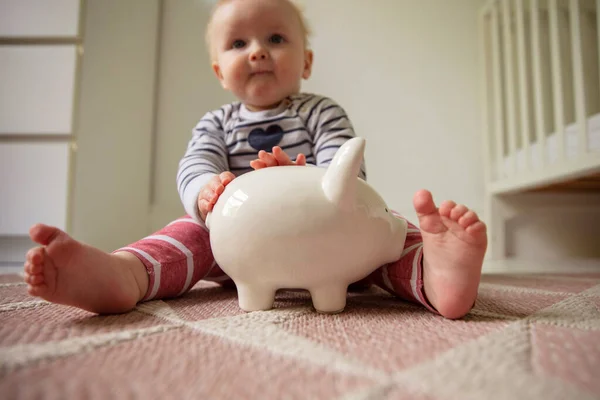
[[37, 86], [34, 185], [39, 18]]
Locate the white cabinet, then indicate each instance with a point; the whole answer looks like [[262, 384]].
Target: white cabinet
[[37, 89], [34, 189], [39, 18], [39, 41]]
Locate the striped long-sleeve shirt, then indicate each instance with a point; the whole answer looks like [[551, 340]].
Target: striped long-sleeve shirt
[[229, 138]]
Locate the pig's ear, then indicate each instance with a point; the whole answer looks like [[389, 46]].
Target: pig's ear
[[340, 180]]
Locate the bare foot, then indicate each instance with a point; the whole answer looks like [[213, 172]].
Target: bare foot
[[454, 244], [65, 271]]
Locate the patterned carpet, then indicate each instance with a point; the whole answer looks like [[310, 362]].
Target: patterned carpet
[[528, 337]]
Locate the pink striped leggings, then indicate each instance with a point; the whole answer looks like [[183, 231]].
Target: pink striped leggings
[[179, 255]]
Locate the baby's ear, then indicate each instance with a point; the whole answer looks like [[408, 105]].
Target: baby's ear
[[308, 62], [217, 70]]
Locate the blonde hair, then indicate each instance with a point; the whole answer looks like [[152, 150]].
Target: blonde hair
[[297, 8]]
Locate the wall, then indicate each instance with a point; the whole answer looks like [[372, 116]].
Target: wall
[[187, 89], [111, 188], [407, 73]]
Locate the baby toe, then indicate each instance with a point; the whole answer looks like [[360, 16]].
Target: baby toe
[[28, 267], [27, 277], [458, 212], [36, 279], [34, 255], [446, 208], [35, 290], [468, 219], [477, 228], [34, 269]]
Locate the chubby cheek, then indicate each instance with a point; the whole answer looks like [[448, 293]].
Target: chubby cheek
[[283, 58], [235, 73], [290, 67]]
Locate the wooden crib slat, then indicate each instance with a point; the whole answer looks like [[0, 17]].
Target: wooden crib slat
[[509, 85], [598, 29], [498, 101], [484, 35], [488, 7], [523, 82], [580, 111], [559, 117], [548, 99], [536, 45]]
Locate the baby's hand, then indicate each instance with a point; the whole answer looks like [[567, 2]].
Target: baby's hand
[[211, 191], [277, 158]]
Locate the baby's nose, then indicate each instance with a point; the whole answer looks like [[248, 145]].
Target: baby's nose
[[259, 53]]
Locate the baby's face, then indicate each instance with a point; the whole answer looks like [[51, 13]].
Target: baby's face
[[259, 51]]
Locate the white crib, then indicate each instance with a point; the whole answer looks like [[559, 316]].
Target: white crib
[[541, 91]]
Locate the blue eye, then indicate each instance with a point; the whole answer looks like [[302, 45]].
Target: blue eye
[[238, 44], [276, 39]]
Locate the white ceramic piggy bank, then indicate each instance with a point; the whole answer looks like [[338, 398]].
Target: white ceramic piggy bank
[[293, 227]]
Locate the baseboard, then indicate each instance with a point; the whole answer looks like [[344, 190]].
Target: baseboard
[[13, 249], [10, 269], [518, 266]]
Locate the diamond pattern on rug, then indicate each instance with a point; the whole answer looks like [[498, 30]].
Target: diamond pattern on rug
[[495, 366], [569, 354], [397, 338], [578, 312], [534, 339], [14, 293], [29, 326], [207, 302], [191, 363], [514, 301]]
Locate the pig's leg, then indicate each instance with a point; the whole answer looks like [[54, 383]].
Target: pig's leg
[[330, 299], [176, 257], [255, 297]]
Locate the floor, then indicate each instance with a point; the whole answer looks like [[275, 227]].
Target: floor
[[489, 267], [529, 336]]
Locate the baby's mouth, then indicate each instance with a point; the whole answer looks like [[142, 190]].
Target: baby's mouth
[[259, 73]]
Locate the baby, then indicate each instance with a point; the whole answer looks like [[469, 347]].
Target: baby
[[259, 51]]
